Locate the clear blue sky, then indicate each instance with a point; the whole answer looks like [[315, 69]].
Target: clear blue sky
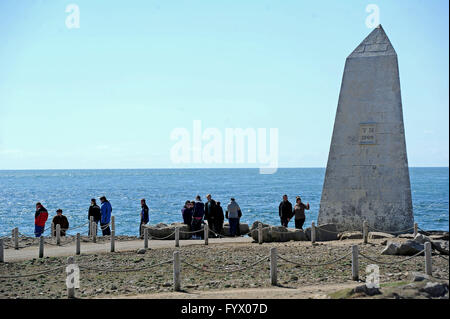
[[107, 95]]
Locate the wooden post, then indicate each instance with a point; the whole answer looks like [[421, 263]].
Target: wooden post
[[260, 233], [78, 244], [146, 238], [91, 226], [273, 266], [177, 237], [176, 271], [58, 234], [313, 233], [2, 253], [428, 265], [52, 230], [365, 232], [206, 233], [41, 247], [355, 263], [94, 232], [113, 235], [416, 229], [70, 291], [16, 238], [113, 223]]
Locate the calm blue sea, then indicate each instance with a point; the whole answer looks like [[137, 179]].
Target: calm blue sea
[[167, 190]]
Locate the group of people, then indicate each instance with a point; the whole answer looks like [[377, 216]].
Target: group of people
[[286, 212], [100, 214], [194, 214]]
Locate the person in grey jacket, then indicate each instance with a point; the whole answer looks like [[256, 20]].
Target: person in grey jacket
[[233, 214]]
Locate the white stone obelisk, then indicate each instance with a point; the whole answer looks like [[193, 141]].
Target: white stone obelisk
[[367, 175]]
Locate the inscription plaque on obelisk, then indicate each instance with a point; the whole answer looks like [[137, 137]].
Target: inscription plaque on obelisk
[[367, 176]]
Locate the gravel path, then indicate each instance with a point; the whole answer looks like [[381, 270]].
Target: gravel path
[[223, 256]]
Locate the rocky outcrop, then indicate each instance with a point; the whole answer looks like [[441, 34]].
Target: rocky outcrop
[[441, 246], [325, 232], [162, 230], [379, 235], [414, 246], [244, 229], [350, 235], [277, 233]]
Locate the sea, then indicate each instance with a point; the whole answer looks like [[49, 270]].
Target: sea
[[166, 190]]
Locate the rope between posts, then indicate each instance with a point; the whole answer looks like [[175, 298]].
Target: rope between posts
[[443, 257], [125, 270], [32, 275], [315, 265], [191, 232], [160, 238], [392, 232], [328, 231], [426, 233], [226, 271], [391, 263]]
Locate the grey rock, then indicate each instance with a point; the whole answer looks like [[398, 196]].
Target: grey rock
[[379, 235], [325, 232], [407, 236], [350, 235], [409, 248], [277, 233], [435, 289], [141, 251], [422, 239], [418, 276], [243, 228], [441, 246], [391, 249], [368, 291]]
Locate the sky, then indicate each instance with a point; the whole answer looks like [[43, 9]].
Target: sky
[[110, 93]]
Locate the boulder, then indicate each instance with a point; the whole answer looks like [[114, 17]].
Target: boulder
[[141, 251], [244, 229], [366, 290], [442, 236], [325, 232], [441, 246], [379, 235], [350, 235], [435, 289], [391, 249], [162, 230], [407, 236], [422, 239], [409, 248], [418, 276], [277, 233]]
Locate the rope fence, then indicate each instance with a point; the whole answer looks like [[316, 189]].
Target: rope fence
[[272, 258]]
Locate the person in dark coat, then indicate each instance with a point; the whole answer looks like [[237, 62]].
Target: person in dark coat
[[144, 216], [62, 221], [219, 219], [285, 211], [94, 211], [197, 217], [186, 213], [40, 217], [211, 212]]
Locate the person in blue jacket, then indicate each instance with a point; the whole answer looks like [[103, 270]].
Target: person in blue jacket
[[106, 210], [197, 217]]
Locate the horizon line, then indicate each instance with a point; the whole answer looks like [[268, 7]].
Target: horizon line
[[177, 168]]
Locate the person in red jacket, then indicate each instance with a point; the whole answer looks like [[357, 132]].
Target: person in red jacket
[[39, 219]]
